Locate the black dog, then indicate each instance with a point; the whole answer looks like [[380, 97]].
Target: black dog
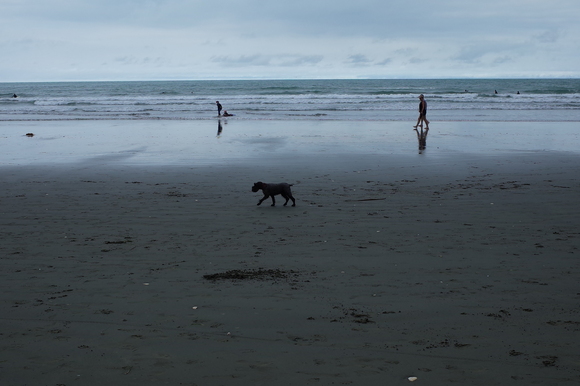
[[270, 190]]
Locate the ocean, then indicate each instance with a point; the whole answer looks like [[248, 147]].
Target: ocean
[[527, 100]]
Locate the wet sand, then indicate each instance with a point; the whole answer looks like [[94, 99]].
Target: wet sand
[[448, 266]]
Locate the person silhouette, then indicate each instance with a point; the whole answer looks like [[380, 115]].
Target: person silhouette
[[422, 113]]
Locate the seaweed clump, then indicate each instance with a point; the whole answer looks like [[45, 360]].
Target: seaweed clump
[[250, 274]]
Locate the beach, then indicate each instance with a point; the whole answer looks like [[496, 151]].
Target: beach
[[134, 253]]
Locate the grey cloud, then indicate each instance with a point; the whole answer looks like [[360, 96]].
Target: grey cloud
[[385, 62], [470, 54], [405, 51], [301, 60], [496, 52], [550, 36], [416, 60], [268, 60], [299, 17], [363, 60], [358, 59], [503, 59], [375, 18], [133, 60], [243, 60]]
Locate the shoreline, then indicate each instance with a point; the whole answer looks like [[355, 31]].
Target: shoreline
[[222, 142], [449, 266], [464, 115]]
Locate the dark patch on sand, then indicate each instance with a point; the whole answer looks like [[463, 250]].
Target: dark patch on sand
[[251, 274]]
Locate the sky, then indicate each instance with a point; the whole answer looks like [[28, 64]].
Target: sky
[[77, 40]]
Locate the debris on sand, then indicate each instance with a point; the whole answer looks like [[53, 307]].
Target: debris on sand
[[251, 274]]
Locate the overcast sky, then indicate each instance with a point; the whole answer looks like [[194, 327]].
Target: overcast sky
[[53, 40]]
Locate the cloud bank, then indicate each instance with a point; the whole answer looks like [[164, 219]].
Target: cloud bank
[[178, 39]]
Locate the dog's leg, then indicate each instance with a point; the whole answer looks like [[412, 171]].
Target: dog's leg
[[273, 201], [263, 198], [286, 197], [293, 200]]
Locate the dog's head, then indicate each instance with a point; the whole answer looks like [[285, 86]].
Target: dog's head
[[257, 186]]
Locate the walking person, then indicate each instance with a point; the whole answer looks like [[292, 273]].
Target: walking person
[[422, 113], [219, 107]]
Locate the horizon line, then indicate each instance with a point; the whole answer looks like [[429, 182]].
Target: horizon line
[[287, 79]]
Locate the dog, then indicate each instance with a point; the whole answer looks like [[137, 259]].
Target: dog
[[271, 190]]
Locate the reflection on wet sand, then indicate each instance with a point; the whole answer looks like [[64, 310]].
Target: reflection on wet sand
[[220, 127], [422, 138]]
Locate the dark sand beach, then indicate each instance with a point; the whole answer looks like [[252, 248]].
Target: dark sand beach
[[139, 257]]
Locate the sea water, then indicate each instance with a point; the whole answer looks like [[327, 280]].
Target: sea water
[[527, 100]]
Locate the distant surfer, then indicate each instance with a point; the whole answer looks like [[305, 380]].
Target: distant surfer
[[226, 114], [219, 107], [14, 96], [422, 113]]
